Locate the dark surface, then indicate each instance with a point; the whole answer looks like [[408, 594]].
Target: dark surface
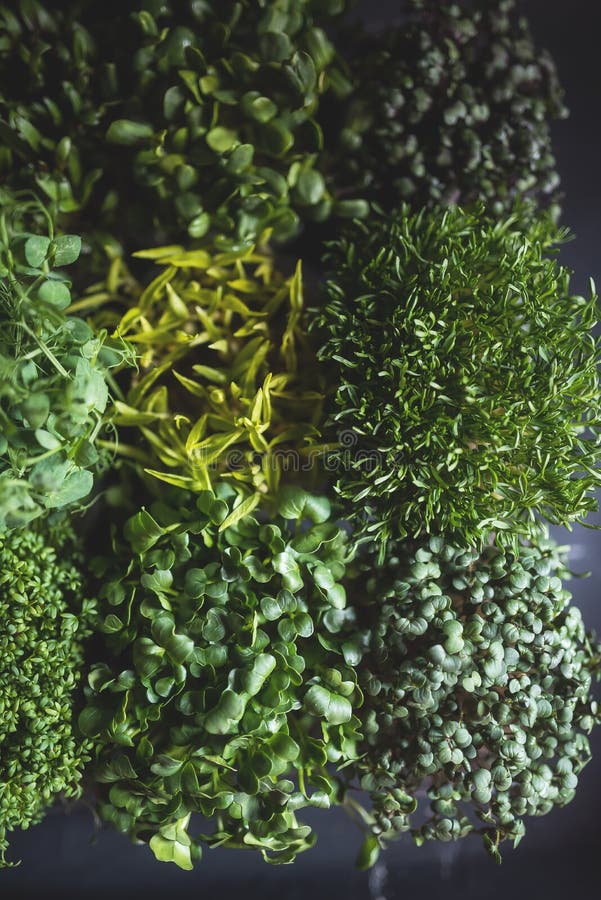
[[560, 851]]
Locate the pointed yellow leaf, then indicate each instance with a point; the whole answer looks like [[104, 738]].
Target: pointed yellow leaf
[[197, 390], [158, 253], [128, 415], [217, 376], [241, 511], [182, 481]]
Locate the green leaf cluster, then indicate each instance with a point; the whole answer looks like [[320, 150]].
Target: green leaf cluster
[[477, 678], [452, 105], [449, 383], [466, 374], [227, 384], [54, 370], [45, 616], [183, 117], [48, 103], [223, 688]]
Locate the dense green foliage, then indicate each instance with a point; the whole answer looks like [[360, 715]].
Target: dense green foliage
[[227, 386], [45, 108], [445, 382], [477, 675], [44, 617], [451, 106], [54, 370], [222, 675], [171, 116], [465, 372]]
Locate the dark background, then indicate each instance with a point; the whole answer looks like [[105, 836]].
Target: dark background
[[67, 857]]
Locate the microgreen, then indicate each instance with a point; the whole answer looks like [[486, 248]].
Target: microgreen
[[45, 617], [223, 688], [186, 117], [453, 105], [227, 385], [466, 374], [477, 676], [54, 369]]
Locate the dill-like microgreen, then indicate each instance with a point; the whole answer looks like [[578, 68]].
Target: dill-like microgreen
[[465, 373]]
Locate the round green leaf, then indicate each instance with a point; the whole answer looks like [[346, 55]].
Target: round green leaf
[[221, 139], [128, 132], [36, 250], [55, 293], [67, 248]]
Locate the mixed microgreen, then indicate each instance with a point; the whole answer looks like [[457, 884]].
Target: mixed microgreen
[[477, 675], [452, 105], [200, 117], [310, 515]]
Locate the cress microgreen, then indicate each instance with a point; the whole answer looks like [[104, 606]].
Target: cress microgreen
[[44, 616]]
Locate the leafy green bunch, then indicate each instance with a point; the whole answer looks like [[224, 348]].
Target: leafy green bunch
[[477, 676], [54, 370], [225, 689], [466, 374], [44, 618], [453, 105], [48, 104], [222, 118], [177, 117], [227, 385]]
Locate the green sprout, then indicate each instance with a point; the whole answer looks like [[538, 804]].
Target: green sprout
[[222, 689], [227, 385], [45, 617], [54, 370], [465, 373], [185, 118], [453, 105], [477, 676]]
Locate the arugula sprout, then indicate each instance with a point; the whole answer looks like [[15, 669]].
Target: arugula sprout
[[54, 370], [466, 376], [453, 105], [477, 674], [45, 616], [227, 385], [223, 678]]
